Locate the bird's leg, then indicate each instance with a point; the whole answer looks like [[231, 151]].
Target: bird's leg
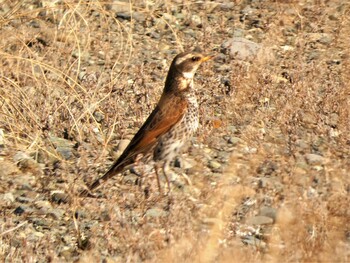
[[164, 168], [156, 168], [140, 166]]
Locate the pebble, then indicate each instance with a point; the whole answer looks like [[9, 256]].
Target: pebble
[[56, 213], [253, 241], [2, 139], [122, 145], [312, 158], [63, 146], [234, 140], [241, 48], [214, 165], [8, 197], [183, 163], [156, 212], [259, 220], [19, 210], [99, 116], [123, 16], [268, 212], [59, 197], [196, 21]]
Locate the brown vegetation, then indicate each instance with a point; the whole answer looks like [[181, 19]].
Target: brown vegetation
[[76, 78]]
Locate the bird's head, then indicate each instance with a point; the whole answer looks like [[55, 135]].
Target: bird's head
[[187, 63], [183, 68]]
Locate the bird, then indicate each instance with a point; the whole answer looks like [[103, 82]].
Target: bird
[[173, 121]]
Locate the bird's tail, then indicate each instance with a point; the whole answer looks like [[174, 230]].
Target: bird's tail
[[113, 170]]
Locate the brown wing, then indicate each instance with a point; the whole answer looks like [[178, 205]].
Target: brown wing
[[169, 111]]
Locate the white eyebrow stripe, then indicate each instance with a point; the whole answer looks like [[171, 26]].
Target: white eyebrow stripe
[[180, 60]]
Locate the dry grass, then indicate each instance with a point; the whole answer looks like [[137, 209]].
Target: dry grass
[[72, 70]]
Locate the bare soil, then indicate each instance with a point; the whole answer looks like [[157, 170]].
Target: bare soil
[[265, 179]]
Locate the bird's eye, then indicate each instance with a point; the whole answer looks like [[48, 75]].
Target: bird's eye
[[194, 58]]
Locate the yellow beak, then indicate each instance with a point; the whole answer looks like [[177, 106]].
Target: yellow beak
[[207, 58]]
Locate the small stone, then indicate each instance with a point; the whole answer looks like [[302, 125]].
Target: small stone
[[63, 146], [227, 6], [99, 116], [24, 200], [267, 168], [211, 221], [123, 16], [2, 138], [241, 48], [122, 145], [333, 120], [82, 75], [234, 140], [24, 161], [196, 21], [214, 165], [184, 163], [313, 159], [224, 68], [313, 55], [259, 220], [302, 144], [309, 119], [8, 197], [55, 214], [156, 212], [139, 16], [42, 204], [19, 210], [253, 241], [269, 212], [59, 197], [105, 216]]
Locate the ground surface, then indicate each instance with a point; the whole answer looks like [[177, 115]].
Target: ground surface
[[268, 171]]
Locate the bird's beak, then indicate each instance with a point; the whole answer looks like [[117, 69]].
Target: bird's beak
[[207, 58]]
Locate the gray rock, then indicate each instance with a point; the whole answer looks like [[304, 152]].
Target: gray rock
[[123, 16], [63, 146], [65, 152], [253, 241], [302, 144], [196, 20], [2, 138], [20, 210], [313, 55], [227, 6], [259, 220], [24, 161], [59, 197], [269, 212], [333, 120], [241, 48], [8, 197], [312, 158], [214, 165], [156, 212], [309, 119], [99, 116], [139, 16], [183, 163], [122, 145], [234, 140], [55, 214]]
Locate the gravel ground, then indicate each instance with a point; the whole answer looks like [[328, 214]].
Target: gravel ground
[[265, 179]]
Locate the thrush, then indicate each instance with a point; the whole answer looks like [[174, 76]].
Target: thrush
[[173, 121]]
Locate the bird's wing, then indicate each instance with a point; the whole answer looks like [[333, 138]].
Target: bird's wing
[[169, 111]]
